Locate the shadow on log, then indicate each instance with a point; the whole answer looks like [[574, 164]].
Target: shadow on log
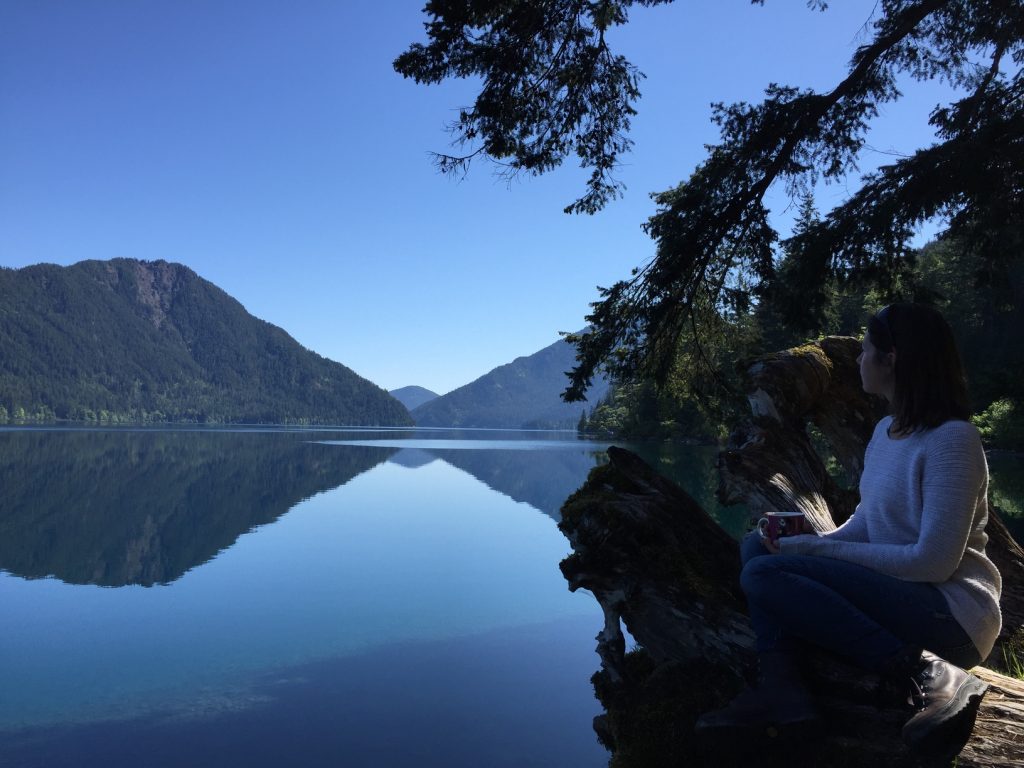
[[658, 563]]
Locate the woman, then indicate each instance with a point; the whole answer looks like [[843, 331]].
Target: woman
[[904, 586]]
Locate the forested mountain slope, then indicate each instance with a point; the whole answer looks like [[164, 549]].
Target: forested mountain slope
[[525, 393], [127, 340]]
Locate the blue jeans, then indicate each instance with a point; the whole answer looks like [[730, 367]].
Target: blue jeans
[[875, 621]]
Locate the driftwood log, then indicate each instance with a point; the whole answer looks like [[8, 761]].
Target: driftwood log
[[659, 564]]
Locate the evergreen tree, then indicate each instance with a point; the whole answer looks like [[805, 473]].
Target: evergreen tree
[[551, 88], [581, 425]]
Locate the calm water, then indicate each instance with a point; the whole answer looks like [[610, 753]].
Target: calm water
[[304, 597], [307, 597]]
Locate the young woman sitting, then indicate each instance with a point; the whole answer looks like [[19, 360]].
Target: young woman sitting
[[904, 586]]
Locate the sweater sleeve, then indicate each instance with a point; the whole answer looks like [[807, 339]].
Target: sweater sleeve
[[853, 529], [954, 474]]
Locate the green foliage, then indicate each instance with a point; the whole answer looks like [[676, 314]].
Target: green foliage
[[1006, 490], [551, 87], [1002, 424], [986, 311], [129, 341], [641, 410], [1013, 662], [699, 393]]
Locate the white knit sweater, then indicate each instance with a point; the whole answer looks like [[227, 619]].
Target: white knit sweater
[[922, 515]]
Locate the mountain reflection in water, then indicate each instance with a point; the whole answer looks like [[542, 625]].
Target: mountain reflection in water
[[143, 507], [270, 587], [114, 507], [542, 479]]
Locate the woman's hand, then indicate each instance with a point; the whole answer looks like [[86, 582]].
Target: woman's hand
[[771, 546]]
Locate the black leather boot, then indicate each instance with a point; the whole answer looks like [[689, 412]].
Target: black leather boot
[[946, 699], [779, 702]]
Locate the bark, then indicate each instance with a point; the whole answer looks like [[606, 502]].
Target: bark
[[661, 565], [803, 401]]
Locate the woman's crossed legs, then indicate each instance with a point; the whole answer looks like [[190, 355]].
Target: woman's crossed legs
[[874, 620]]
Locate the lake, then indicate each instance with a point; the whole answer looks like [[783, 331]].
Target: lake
[[186, 597], [314, 597]]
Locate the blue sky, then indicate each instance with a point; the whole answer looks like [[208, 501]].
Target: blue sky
[[269, 146]]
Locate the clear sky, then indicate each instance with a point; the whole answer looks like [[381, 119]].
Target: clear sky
[[270, 146]]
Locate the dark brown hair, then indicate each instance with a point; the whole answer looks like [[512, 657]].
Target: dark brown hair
[[929, 378]]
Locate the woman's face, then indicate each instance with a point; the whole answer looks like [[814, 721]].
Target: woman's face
[[876, 377]]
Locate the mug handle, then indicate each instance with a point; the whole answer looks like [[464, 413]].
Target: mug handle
[[761, 525]]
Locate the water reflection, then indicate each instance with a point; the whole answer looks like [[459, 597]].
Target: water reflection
[[548, 472], [393, 556], [412, 458], [542, 479], [414, 563], [115, 508]]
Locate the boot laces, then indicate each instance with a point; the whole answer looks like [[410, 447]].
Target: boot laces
[[918, 698], [919, 687]]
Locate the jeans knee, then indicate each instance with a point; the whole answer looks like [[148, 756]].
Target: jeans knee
[[757, 576], [751, 547]]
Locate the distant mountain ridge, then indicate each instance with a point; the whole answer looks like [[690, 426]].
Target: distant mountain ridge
[[523, 394], [412, 397], [128, 340]]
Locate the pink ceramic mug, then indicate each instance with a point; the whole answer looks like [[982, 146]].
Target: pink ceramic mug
[[775, 525]]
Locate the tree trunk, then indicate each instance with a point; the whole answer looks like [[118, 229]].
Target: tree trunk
[[658, 563]]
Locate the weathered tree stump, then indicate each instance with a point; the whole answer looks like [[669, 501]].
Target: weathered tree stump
[[658, 563], [771, 462]]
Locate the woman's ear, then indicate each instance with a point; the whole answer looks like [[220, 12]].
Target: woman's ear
[[890, 358]]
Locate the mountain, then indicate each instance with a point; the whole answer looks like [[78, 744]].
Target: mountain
[[524, 394], [127, 340], [412, 397], [544, 479], [115, 507]]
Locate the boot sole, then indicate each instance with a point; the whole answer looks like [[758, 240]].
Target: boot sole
[[950, 730]]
